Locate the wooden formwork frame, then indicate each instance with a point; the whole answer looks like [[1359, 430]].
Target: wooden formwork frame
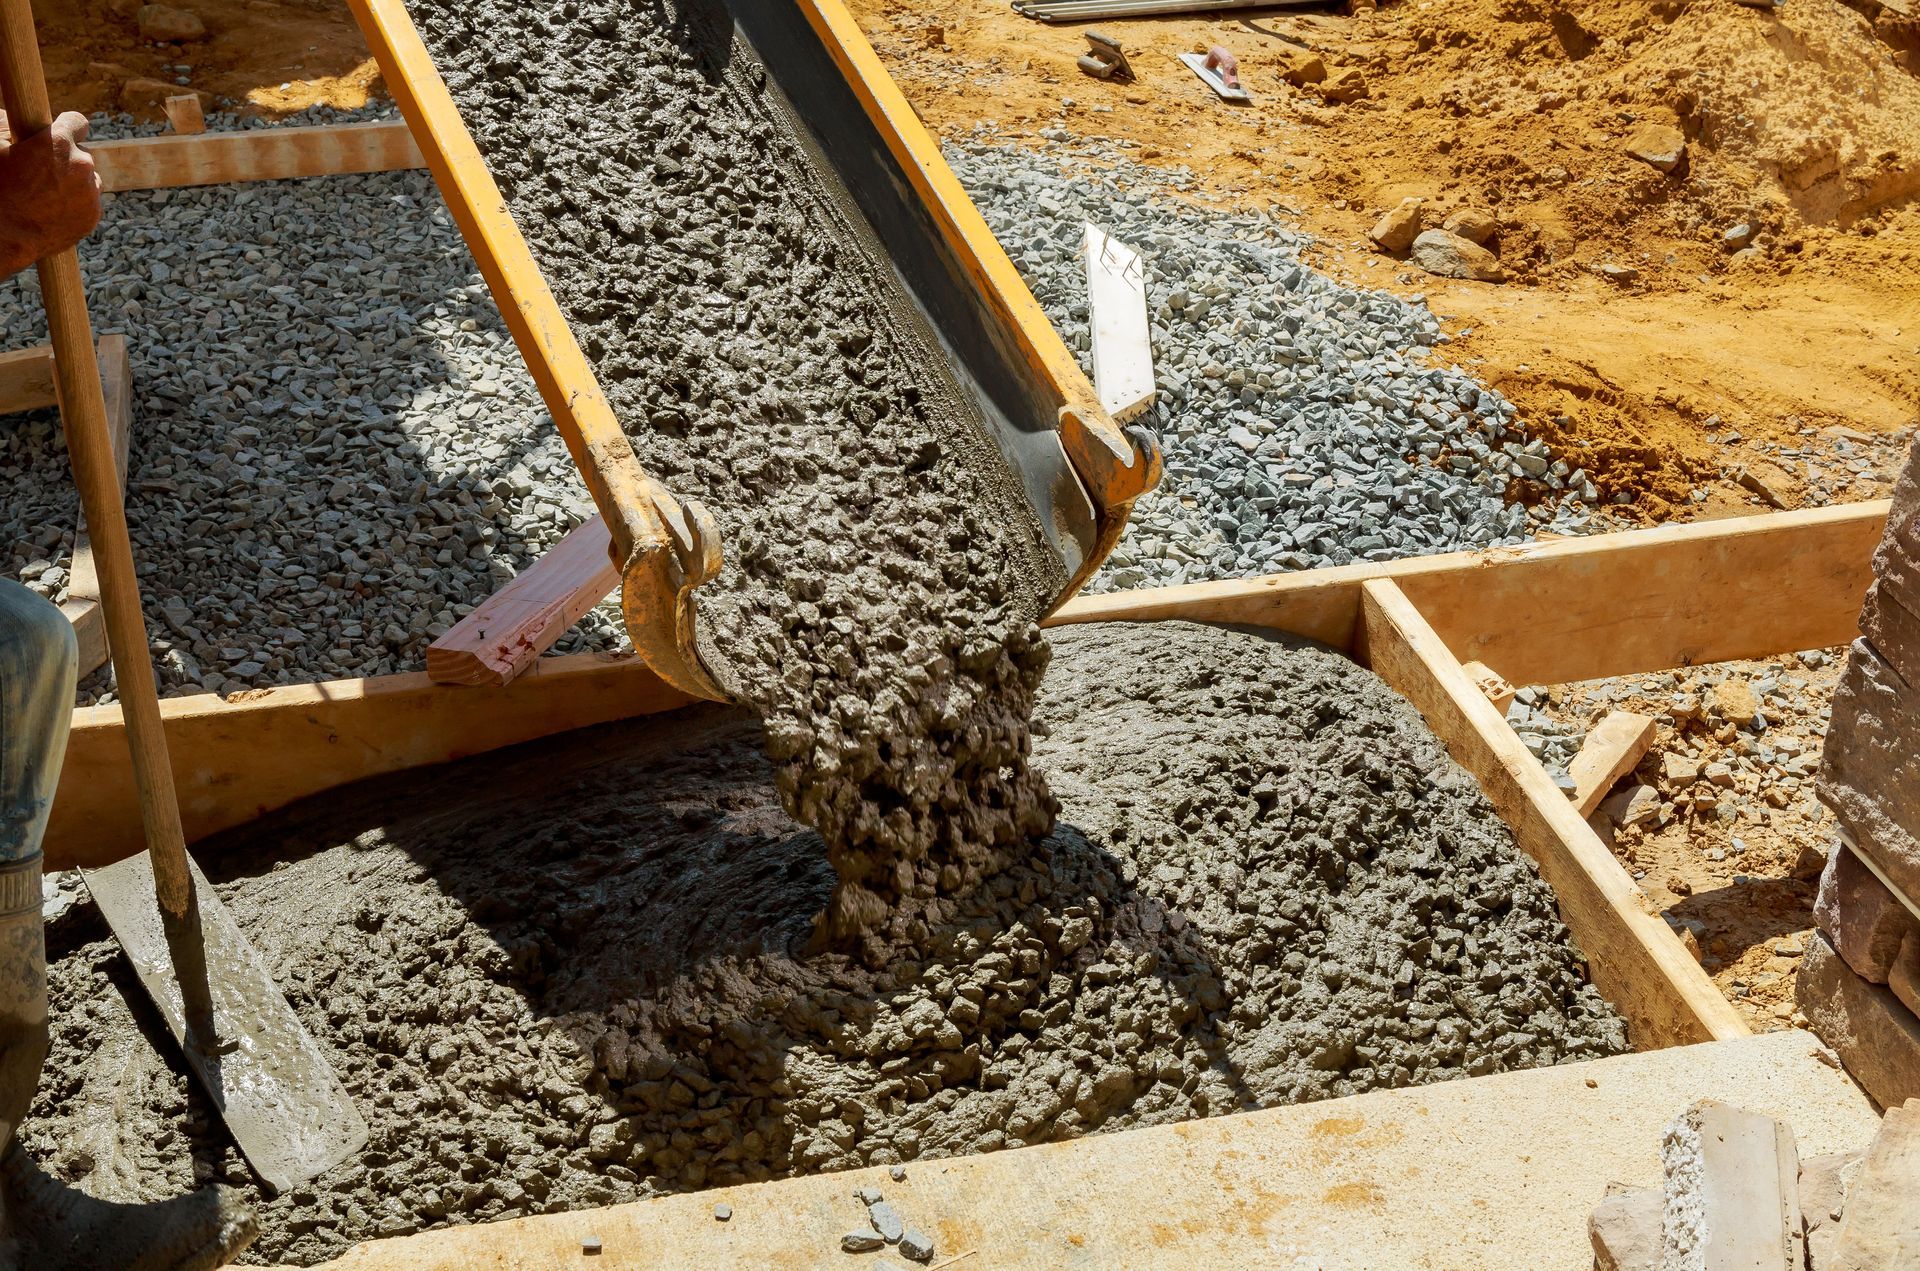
[[1546, 613]]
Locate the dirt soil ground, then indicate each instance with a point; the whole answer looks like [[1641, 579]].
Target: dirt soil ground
[[1803, 123], [265, 57]]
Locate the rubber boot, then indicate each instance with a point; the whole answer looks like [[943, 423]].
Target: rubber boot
[[44, 1225]]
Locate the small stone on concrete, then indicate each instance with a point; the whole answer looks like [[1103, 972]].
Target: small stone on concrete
[[916, 1245], [861, 1242], [898, 1173], [886, 1220], [723, 1213], [868, 1195], [590, 1246]]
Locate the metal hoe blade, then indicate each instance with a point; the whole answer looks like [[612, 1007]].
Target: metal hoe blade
[[276, 1091]]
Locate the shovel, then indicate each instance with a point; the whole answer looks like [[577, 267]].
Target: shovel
[[274, 1088]]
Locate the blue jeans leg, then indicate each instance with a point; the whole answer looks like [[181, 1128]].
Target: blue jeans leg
[[37, 663]]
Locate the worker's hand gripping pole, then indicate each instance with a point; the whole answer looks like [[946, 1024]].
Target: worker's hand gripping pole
[[83, 413], [664, 548]]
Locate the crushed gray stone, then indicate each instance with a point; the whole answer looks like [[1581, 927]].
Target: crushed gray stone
[[1303, 421]]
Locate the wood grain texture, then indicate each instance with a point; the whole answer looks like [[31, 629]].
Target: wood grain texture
[[1550, 613], [1635, 959], [508, 632], [238, 758], [1612, 749], [254, 154], [26, 380], [82, 605]]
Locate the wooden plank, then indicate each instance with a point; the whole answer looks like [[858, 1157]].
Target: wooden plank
[[1483, 1174], [1732, 1192], [1493, 684], [184, 114], [1117, 308], [515, 625], [1880, 1224], [1612, 749], [241, 757], [1582, 608], [26, 380], [1635, 959], [254, 154], [82, 606]]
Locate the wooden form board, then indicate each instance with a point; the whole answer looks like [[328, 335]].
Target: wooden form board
[[1117, 309], [1635, 959], [238, 759], [1483, 1174], [1579, 608], [254, 154]]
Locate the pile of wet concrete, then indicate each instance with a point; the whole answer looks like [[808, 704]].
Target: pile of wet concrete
[[575, 973]]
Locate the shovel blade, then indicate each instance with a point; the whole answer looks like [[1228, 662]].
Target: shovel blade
[[274, 1088]]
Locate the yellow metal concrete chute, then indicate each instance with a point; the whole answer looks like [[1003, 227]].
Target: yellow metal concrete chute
[[1080, 472]]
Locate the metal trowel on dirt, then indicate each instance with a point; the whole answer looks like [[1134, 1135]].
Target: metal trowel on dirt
[[267, 1077]]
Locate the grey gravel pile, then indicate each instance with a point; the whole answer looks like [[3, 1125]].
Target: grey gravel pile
[[337, 451], [1302, 421]]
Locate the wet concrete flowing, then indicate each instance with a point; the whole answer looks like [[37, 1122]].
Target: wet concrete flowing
[[883, 570], [575, 973]]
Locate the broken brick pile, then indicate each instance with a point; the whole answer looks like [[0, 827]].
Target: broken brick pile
[[1860, 985]]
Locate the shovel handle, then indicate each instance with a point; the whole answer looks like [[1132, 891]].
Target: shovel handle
[[83, 412]]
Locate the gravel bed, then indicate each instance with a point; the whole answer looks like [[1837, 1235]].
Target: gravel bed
[[337, 451], [1302, 420]]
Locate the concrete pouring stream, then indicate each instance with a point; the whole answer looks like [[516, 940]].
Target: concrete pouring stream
[[574, 973]]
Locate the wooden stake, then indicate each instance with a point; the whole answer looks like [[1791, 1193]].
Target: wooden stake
[[183, 113], [83, 586], [1612, 750], [515, 625], [26, 380], [90, 447]]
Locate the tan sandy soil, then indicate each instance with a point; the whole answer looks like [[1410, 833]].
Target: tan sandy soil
[[1805, 123], [273, 58]]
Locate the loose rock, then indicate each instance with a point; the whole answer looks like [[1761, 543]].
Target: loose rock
[[1451, 256], [1398, 227], [1661, 146]]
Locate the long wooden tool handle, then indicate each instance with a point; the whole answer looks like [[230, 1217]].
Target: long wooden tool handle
[[90, 447]]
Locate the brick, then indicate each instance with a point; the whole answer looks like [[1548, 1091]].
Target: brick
[[1876, 1037], [1870, 768], [1865, 922]]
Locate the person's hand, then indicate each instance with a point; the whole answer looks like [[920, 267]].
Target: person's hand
[[49, 193]]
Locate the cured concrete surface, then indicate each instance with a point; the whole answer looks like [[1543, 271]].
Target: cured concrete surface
[[1493, 1172]]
